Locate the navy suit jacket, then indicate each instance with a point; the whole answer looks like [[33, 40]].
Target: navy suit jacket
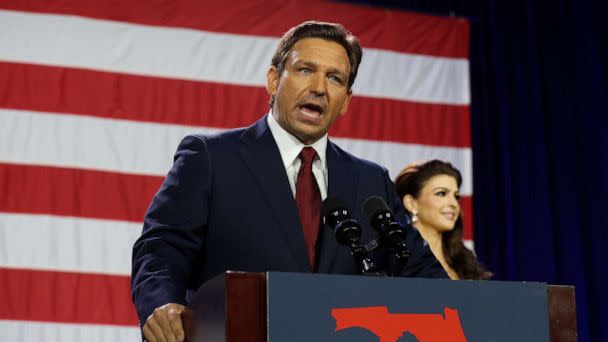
[[226, 204]]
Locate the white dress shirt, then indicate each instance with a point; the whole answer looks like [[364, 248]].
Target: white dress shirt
[[290, 148]]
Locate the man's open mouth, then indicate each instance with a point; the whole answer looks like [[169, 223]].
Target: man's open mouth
[[311, 109]]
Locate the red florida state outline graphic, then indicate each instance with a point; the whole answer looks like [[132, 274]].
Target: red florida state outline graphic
[[389, 327]]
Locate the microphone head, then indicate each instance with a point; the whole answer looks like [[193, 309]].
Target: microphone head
[[375, 205], [338, 218], [392, 233], [331, 204]]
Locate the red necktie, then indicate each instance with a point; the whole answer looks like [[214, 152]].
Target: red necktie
[[308, 201]]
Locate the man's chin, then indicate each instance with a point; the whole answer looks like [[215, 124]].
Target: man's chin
[[308, 138]]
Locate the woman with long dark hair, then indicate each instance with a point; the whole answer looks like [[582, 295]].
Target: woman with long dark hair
[[430, 193]]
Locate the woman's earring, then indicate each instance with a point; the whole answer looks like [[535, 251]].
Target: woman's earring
[[414, 217]]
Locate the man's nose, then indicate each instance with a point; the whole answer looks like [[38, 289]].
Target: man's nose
[[318, 85]]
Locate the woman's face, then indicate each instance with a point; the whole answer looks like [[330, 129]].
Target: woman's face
[[438, 205]]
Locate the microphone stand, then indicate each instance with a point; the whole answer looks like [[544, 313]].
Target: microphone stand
[[347, 235]]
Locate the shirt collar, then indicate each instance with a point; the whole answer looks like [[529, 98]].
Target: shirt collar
[[290, 146]]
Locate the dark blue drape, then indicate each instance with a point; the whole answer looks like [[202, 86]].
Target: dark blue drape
[[539, 78], [540, 156]]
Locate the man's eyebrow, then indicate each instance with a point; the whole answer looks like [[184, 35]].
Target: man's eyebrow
[[304, 62], [315, 65], [339, 72]]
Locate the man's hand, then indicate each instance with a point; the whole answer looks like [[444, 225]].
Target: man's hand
[[165, 324]]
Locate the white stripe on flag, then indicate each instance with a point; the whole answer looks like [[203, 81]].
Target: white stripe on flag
[[75, 141], [70, 244], [415, 78], [58, 332], [90, 143], [395, 157], [70, 41], [67, 243]]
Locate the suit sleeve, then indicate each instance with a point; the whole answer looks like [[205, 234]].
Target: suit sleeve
[[165, 254], [422, 263]]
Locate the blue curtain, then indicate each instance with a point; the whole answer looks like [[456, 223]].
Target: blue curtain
[[539, 78], [538, 73]]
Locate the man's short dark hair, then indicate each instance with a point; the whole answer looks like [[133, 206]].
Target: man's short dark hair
[[323, 30]]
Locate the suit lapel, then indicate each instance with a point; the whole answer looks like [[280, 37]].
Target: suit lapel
[[342, 183], [261, 154]]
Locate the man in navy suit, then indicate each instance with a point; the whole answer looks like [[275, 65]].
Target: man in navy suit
[[230, 201]]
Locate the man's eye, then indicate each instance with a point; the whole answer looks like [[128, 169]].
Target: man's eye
[[440, 193], [305, 70], [335, 78]]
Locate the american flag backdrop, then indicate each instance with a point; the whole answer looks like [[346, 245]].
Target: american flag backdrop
[[95, 96]]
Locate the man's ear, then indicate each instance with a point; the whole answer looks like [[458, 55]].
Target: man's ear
[[272, 80], [344, 107], [410, 203]]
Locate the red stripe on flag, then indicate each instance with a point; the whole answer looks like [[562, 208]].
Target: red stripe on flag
[[405, 122], [161, 100], [28, 295], [466, 207], [75, 192], [95, 194], [377, 28]]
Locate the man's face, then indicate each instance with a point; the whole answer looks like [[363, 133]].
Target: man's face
[[311, 92]]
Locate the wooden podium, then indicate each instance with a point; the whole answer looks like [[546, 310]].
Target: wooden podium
[[237, 306]]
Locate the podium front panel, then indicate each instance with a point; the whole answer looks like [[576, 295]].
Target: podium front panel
[[315, 307]]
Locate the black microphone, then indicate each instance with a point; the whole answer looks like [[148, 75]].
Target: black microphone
[[347, 232], [392, 234]]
